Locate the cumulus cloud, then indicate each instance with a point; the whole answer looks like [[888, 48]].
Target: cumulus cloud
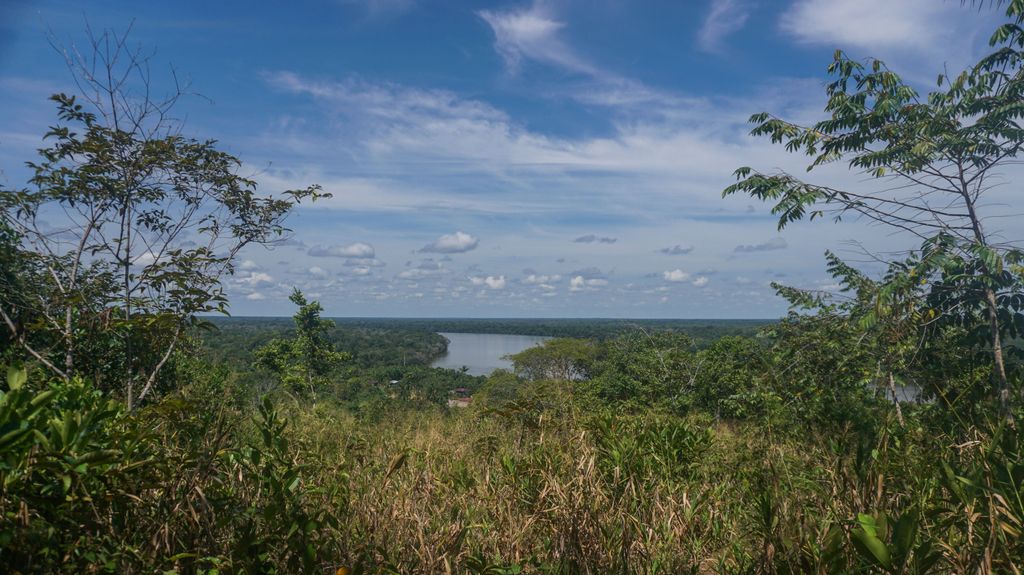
[[248, 265], [770, 245], [317, 272], [493, 282], [725, 18], [700, 281], [456, 243], [255, 296], [676, 250], [676, 275], [580, 283], [256, 280], [591, 238], [356, 250]]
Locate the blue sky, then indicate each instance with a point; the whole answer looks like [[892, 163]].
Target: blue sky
[[490, 159]]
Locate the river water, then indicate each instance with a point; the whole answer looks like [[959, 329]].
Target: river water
[[482, 353]]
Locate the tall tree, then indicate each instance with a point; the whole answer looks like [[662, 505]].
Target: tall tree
[[127, 227], [306, 359], [933, 160]]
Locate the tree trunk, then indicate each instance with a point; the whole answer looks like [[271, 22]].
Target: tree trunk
[[999, 367], [896, 400]]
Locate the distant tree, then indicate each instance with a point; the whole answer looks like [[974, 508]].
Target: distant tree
[[563, 359], [933, 159], [501, 387], [729, 369], [303, 361], [127, 227], [642, 369]]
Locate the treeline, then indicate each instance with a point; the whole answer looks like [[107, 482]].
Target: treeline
[[234, 341], [701, 330]]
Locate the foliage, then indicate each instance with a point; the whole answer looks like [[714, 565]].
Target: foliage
[[563, 359], [641, 369], [149, 223], [304, 361], [934, 159]]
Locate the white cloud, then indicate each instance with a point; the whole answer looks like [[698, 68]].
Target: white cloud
[[317, 272], [677, 143], [918, 37], [256, 280], [726, 17], [531, 33], [701, 281], [248, 265], [864, 23], [356, 250], [580, 283], [493, 282], [456, 243], [255, 296], [145, 259], [438, 153], [676, 275]]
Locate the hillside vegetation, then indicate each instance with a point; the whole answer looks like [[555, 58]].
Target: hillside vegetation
[[135, 440]]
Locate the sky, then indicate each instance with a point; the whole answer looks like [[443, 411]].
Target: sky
[[559, 158]]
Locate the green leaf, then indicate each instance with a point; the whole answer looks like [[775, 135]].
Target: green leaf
[[904, 533], [871, 548], [16, 376]]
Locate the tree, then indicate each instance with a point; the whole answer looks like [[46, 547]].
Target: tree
[[562, 359], [306, 359], [642, 369], [127, 227], [933, 160]]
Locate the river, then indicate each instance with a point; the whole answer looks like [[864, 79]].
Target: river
[[482, 353]]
